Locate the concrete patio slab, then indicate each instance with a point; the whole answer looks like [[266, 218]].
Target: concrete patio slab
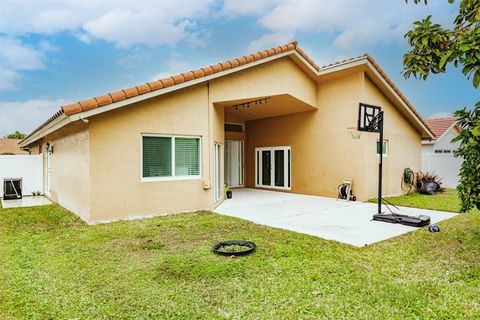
[[344, 221], [25, 202]]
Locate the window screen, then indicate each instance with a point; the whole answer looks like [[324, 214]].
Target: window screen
[[385, 147], [157, 157], [232, 127], [187, 157]]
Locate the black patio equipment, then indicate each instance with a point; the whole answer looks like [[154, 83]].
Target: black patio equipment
[[370, 119]]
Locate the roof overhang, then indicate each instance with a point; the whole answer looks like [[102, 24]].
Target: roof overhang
[[271, 106], [64, 119], [364, 63]]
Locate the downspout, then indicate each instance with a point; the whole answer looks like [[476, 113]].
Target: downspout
[[210, 139]]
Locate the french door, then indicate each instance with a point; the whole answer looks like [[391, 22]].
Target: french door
[[273, 167], [234, 163]]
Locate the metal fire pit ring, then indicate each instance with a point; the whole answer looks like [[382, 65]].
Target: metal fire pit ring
[[251, 247]]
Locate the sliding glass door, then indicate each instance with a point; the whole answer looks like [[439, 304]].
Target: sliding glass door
[[234, 163], [273, 167]]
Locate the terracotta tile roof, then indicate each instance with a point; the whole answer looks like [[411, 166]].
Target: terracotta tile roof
[[10, 146], [124, 94], [112, 97], [439, 125]]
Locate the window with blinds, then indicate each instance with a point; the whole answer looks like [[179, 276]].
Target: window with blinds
[[187, 157], [165, 157], [157, 157]]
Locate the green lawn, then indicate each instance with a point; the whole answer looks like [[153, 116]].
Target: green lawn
[[52, 266], [445, 201]]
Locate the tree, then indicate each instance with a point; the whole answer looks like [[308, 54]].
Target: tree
[[15, 135], [432, 49]]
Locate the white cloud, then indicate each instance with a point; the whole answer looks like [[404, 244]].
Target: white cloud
[[352, 22], [151, 22], [125, 23], [174, 66], [15, 57], [270, 40], [47, 46], [440, 115], [25, 116], [235, 7]]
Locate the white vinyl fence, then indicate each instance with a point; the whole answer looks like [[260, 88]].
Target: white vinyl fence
[[444, 165], [27, 167]]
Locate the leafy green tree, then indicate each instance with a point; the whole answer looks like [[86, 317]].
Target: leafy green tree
[[433, 47], [16, 135]]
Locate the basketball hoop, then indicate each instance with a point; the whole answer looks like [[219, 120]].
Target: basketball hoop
[[354, 132]]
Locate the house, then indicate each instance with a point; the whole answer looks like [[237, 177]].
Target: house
[[272, 119], [10, 147], [437, 153]]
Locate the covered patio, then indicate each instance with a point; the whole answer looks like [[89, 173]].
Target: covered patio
[[327, 218], [256, 155]]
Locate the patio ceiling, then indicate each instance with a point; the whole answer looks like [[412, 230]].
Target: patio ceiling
[[266, 107]]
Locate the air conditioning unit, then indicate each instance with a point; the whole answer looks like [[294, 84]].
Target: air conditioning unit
[[12, 188]]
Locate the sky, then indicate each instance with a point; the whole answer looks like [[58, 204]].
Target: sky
[[54, 52]]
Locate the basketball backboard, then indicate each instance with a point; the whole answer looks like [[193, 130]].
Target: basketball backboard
[[369, 118]]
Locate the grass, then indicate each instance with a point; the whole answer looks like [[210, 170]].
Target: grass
[[445, 201], [53, 266]]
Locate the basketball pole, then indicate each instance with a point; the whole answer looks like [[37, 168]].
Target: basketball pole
[[380, 162]]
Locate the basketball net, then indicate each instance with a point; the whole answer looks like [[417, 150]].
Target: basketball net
[[354, 132]]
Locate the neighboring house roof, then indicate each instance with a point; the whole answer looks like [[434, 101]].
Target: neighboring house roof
[[10, 146], [440, 125], [440, 128], [109, 101]]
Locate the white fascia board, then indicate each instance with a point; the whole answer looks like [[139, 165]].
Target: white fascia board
[[454, 123], [341, 66], [56, 124], [395, 94], [309, 66]]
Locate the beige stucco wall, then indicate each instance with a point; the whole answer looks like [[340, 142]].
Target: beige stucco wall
[[115, 140], [96, 170], [405, 146], [115, 166], [323, 150], [70, 179], [281, 76]]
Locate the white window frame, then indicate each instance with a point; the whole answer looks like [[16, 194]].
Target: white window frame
[[387, 149], [173, 177], [259, 163]]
